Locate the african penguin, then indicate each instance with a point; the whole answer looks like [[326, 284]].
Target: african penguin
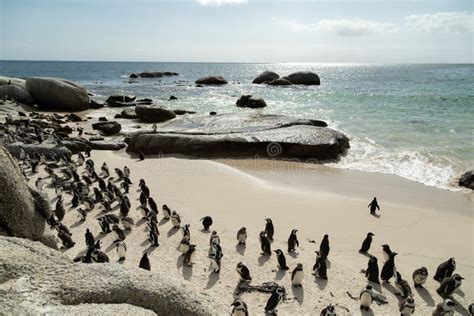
[[328, 311], [293, 241], [242, 235], [274, 300], [445, 308], [445, 270], [145, 262], [90, 240], [366, 297], [388, 269], [402, 285], [366, 243], [265, 244], [189, 255], [324, 247], [419, 276], [407, 306], [320, 268], [386, 252], [281, 260], [121, 248], [214, 238], [239, 308], [449, 285], [269, 229], [175, 219], [297, 275], [244, 272], [206, 222], [118, 232], [166, 211], [372, 272]]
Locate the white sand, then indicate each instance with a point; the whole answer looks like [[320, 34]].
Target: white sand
[[423, 232]]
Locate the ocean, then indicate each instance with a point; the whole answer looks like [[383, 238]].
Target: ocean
[[411, 120]]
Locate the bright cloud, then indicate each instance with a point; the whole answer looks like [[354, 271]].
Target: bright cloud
[[219, 2], [442, 22]]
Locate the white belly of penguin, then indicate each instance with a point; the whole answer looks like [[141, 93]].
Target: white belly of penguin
[[298, 278], [121, 251], [116, 235], [419, 279], [183, 247], [238, 313], [407, 310], [365, 299], [175, 222], [241, 238], [214, 264]]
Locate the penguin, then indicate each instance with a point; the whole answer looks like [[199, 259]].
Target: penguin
[[152, 205], [58, 191], [39, 184], [293, 241], [274, 300], [214, 238], [90, 240], [80, 159], [419, 276], [126, 172], [125, 186], [372, 272], [65, 238], [105, 170], [386, 251], [320, 268], [175, 219], [75, 200], [239, 308], [373, 206], [82, 214], [141, 156], [153, 238], [445, 270], [388, 269], [121, 248], [206, 222], [407, 306], [166, 211], [324, 247], [244, 272], [106, 205], [189, 255], [471, 309], [297, 275], [63, 227], [445, 308], [269, 229], [186, 232], [144, 262], [127, 223], [99, 256], [89, 203], [242, 236], [119, 173], [366, 243], [144, 188], [59, 210], [328, 311], [118, 232], [215, 255], [102, 184], [281, 260], [402, 285], [124, 208], [265, 244], [449, 285], [366, 297], [104, 225], [111, 218], [184, 245]]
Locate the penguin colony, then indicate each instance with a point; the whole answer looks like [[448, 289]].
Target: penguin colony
[[99, 189]]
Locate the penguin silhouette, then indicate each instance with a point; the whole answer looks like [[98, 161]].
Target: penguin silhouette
[[373, 206]]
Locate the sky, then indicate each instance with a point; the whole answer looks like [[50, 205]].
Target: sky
[[319, 31]]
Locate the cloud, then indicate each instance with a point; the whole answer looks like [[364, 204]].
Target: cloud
[[217, 3], [442, 22], [348, 28]]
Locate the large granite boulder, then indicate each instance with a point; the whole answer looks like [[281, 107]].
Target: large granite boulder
[[153, 114], [13, 81], [266, 76], [467, 180], [107, 128], [57, 94], [303, 77], [212, 80], [23, 211], [234, 135], [35, 279], [249, 101], [280, 82], [16, 93]]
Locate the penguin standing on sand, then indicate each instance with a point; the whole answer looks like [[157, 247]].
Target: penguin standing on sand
[[124, 208], [269, 229], [90, 240], [297, 275], [82, 214], [189, 255], [39, 184], [105, 170], [118, 232], [141, 156], [121, 248], [372, 272], [59, 210], [320, 268], [293, 241], [366, 297], [324, 247], [265, 244], [373, 206], [144, 188], [119, 173], [214, 238], [206, 222], [242, 236], [445, 308], [126, 172], [166, 211], [402, 285], [65, 238], [449, 285], [274, 300], [100, 256], [281, 260], [175, 219], [184, 245], [445, 270], [215, 255], [244, 272], [386, 251], [152, 205], [366, 243], [471, 309], [239, 308], [125, 186], [419, 276], [127, 222], [145, 262], [388, 269], [153, 238], [328, 311], [407, 306]]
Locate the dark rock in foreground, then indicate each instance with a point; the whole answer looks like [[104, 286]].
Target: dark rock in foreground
[[108, 128], [266, 76], [467, 180], [249, 101], [242, 136], [212, 80], [153, 114]]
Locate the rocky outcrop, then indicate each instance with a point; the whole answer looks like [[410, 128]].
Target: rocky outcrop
[[16, 93], [23, 211], [212, 80], [12, 81], [249, 101], [266, 76], [154, 114], [280, 82], [304, 78], [120, 100], [467, 180], [233, 135], [182, 112], [156, 74], [35, 279], [107, 128], [57, 94], [127, 114]]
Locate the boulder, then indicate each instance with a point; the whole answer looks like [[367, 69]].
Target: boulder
[[153, 114], [95, 105], [120, 100], [266, 76], [133, 76], [57, 94], [249, 101], [23, 211], [96, 143], [303, 77], [107, 128], [280, 82], [16, 93], [49, 281], [128, 114], [157, 74], [182, 112], [212, 80], [74, 117], [172, 97], [467, 180], [13, 81]]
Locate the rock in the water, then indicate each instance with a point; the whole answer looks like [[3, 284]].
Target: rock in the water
[[120, 100], [266, 76], [172, 97], [57, 94], [95, 105], [154, 114], [107, 128], [303, 77], [47, 280], [467, 180], [182, 112], [23, 211], [212, 80], [249, 101], [157, 74], [133, 76], [230, 135], [280, 82], [16, 93]]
